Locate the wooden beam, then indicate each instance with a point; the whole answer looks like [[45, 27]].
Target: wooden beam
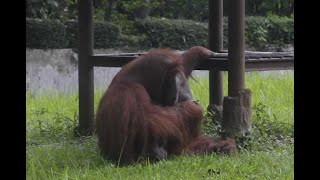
[[218, 64]]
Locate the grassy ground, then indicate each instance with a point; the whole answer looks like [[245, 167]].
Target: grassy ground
[[54, 153]]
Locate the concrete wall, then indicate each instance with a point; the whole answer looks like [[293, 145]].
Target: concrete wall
[[56, 70]]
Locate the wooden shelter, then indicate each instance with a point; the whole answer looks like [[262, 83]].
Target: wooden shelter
[[234, 109]]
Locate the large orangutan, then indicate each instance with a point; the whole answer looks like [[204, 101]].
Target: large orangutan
[[148, 111]]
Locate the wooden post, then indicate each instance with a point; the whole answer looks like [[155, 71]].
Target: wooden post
[[216, 45], [86, 94], [237, 106], [236, 47]]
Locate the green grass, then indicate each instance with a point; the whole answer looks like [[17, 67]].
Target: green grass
[[274, 91], [54, 153]]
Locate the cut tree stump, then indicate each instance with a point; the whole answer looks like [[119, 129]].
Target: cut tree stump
[[237, 114]]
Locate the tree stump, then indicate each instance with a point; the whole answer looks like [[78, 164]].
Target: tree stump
[[237, 114]]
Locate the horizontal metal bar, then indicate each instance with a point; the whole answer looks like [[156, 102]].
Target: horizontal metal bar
[[218, 64]]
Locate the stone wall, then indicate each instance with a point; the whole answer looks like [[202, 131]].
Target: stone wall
[[56, 69]]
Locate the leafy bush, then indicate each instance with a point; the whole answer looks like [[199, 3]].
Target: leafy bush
[[177, 34], [156, 32], [225, 32], [182, 34], [72, 33], [256, 31], [55, 34], [261, 31], [44, 34], [106, 35], [280, 30]]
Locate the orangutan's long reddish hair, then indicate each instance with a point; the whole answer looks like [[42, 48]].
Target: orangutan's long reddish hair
[[148, 110]]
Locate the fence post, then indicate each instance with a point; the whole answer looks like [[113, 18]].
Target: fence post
[[237, 105], [86, 91], [216, 45]]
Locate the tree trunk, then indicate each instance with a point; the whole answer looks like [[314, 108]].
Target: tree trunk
[[107, 13]]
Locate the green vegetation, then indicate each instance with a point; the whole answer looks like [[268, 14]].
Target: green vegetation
[[112, 10], [177, 34], [43, 34], [145, 24], [156, 32], [54, 153]]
